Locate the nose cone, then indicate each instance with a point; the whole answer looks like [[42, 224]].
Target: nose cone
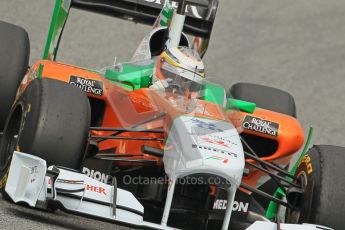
[[199, 145]]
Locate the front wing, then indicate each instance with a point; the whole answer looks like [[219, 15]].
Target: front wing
[[30, 181]]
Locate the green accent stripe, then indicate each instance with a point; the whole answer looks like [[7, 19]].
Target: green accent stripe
[[166, 15], [40, 71], [244, 106], [213, 93], [273, 207], [304, 152], [58, 20]]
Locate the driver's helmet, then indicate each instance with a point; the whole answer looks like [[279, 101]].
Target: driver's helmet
[[180, 69]]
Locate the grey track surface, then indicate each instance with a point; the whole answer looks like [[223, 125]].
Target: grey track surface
[[298, 46]]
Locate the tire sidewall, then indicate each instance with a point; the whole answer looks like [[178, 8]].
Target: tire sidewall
[[37, 137], [14, 60]]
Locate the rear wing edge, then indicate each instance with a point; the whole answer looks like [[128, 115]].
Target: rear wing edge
[[199, 20], [199, 23]]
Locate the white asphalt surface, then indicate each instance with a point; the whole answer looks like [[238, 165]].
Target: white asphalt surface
[[298, 46]]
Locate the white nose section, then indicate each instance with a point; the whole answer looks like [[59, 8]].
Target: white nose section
[[199, 145], [203, 146]]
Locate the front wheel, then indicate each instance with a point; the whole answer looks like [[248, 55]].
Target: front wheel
[[14, 60], [50, 120], [322, 171]]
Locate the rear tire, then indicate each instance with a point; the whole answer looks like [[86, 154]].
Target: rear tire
[[322, 203], [14, 59], [50, 120], [265, 97]]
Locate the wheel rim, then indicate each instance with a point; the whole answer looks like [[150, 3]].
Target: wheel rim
[[10, 137], [295, 215]]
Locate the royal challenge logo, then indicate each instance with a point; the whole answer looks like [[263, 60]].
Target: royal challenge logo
[[261, 126], [87, 85]]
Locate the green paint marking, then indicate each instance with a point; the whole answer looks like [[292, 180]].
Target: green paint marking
[[166, 15], [58, 20], [304, 152], [133, 76], [273, 207], [40, 71], [244, 106], [213, 93], [163, 23], [215, 158], [51, 29]]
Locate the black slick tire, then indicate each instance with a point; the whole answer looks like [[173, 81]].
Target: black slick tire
[[14, 59], [50, 120]]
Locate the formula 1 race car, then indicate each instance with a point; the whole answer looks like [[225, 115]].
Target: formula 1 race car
[[124, 145]]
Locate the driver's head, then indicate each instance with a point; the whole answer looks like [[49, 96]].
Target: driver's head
[[181, 69]]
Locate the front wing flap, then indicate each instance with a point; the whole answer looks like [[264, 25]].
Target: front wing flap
[[30, 181]]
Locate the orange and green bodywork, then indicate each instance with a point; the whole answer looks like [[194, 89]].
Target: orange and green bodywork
[[127, 100], [138, 105]]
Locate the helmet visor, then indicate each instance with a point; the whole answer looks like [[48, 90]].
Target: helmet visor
[[180, 79]]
